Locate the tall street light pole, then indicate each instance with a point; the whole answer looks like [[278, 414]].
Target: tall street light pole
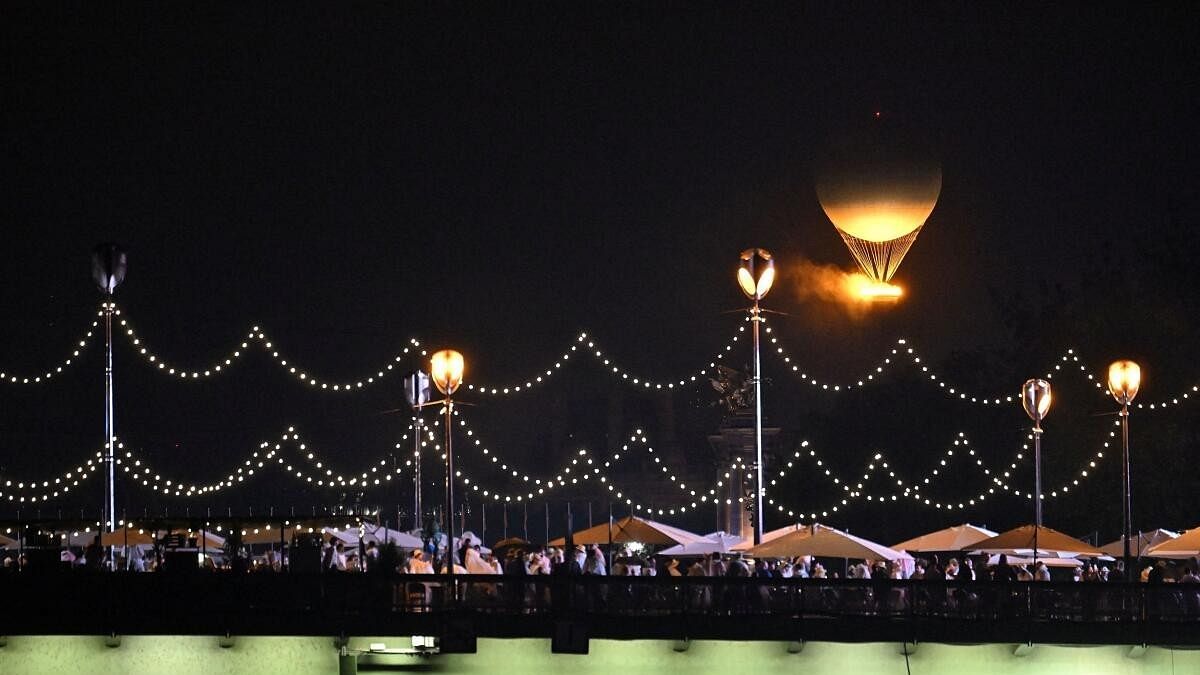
[[1124, 379], [416, 391], [446, 368], [756, 274], [1035, 398], [109, 265]]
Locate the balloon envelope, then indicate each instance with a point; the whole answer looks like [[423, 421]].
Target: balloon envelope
[[878, 188], [879, 199]]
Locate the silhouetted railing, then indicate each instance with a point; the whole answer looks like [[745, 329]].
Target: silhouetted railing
[[80, 602]]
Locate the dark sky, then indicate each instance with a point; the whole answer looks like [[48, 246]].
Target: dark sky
[[348, 175]]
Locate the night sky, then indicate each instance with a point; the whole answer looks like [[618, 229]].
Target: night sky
[[350, 175]]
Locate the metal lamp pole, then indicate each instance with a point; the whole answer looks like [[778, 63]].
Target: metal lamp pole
[[416, 390], [446, 368], [1124, 380], [110, 434], [449, 488], [1036, 398], [109, 265], [755, 318], [416, 472], [756, 274], [1127, 492]]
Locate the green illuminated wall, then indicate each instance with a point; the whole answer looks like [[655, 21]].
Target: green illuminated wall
[[175, 655], [305, 656]]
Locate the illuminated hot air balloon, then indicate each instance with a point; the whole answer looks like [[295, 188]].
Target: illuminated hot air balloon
[[878, 192]]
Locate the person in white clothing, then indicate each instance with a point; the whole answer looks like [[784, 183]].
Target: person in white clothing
[[418, 565], [474, 562], [860, 571], [1041, 572]]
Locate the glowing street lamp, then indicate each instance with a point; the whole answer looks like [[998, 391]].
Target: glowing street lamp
[[446, 367], [1035, 398], [756, 275], [1124, 379]]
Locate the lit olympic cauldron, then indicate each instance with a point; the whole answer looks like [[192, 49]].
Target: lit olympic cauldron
[[878, 191]]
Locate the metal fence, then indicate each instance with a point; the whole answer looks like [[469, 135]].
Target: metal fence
[[349, 603]]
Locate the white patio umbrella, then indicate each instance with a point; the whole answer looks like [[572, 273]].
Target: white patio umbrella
[[631, 529], [1139, 545], [1186, 545], [1050, 544], [382, 535], [714, 542], [954, 538], [347, 537], [1050, 562], [822, 541], [748, 542]]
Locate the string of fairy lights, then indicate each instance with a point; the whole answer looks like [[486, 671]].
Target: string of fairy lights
[[900, 353], [44, 490], [903, 351], [318, 474], [10, 377], [581, 467], [588, 346], [258, 337], [311, 470], [913, 490]]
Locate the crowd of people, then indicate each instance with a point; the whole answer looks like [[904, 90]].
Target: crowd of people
[[472, 558]]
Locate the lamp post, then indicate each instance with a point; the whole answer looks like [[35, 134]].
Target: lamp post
[[1035, 398], [416, 392], [109, 265], [756, 274], [446, 368], [1124, 379]]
